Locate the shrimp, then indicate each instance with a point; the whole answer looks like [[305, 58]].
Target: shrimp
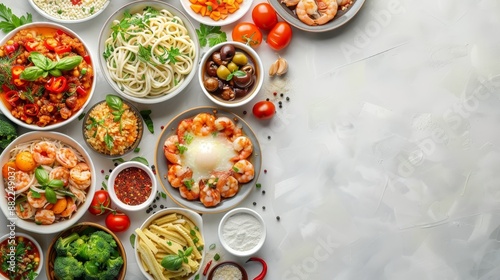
[[37, 202], [66, 157], [327, 9], [24, 210], [60, 173], [203, 124], [190, 191], [44, 217], [227, 126], [44, 152], [171, 149], [80, 175], [242, 145], [184, 127], [22, 181], [177, 175], [228, 187], [290, 3], [78, 193], [209, 196], [342, 3], [243, 171], [319, 12], [70, 208]]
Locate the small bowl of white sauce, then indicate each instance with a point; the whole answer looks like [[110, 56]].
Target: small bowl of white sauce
[[242, 232]]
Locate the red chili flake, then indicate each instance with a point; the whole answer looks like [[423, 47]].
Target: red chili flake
[[275, 93], [133, 186]]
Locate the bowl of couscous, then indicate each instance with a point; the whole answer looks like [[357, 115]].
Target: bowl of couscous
[[69, 11], [113, 127]]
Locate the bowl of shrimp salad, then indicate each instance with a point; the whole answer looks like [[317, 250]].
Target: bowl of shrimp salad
[[48, 181]]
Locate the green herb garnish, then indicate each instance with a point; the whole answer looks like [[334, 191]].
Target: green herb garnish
[[211, 35], [146, 115], [44, 66], [174, 262], [10, 21], [49, 185]]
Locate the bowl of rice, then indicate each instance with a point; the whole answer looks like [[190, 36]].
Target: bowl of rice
[[69, 11], [113, 127]]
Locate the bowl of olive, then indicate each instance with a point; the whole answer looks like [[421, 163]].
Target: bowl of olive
[[231, 74]]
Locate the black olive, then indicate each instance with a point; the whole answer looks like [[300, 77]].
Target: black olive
[[227, 52], [211, 68], [217, 59], [240, 92], [242, 81], [211, 84], [227, 93]]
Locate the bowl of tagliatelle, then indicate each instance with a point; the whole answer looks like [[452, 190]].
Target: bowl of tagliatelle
[[48, 182], [149, 51]]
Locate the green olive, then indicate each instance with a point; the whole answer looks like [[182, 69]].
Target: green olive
[[240, 58], [232, 67], [223, 72]]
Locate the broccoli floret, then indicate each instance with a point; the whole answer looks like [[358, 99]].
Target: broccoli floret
[[113, 267], [67, 268], [96, 249], [8, 132], [63, 245], [106, 236], [91, 270]]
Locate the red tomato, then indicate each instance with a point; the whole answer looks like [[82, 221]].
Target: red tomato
[[100, 203], [264, 16], [280, 36], [264, 110], [117, 221], [247, 33]]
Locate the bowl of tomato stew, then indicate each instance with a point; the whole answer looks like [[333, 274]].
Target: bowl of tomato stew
[[21, 256], [47, 75], [132, 186]]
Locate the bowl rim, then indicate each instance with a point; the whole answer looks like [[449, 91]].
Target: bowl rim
[[111, 189], [40, 251], [208, 21], [259, 81], [77, 114], [59, 226], [137, 5], [140, 126], [236, 211], [232, 263], [60, 20], [195, 217]]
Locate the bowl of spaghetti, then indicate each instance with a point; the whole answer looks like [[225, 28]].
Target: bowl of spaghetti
[[149, 51], [48, 181]]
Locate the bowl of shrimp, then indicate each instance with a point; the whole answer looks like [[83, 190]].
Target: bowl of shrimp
[[207, 159], [48, 181]]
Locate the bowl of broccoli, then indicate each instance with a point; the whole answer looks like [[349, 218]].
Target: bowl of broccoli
[[86, 251]]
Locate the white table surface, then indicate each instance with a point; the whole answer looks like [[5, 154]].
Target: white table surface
[[383, 164]]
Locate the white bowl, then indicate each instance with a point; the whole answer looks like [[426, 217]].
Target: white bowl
[[75, 115], [244, 7], [258, 67], [51, 12], [5, 194], [237, 223], [12, 235], [135, 7], [194, 217], [111, 186]]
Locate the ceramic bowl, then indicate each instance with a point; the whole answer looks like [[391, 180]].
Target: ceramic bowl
[[35, 123], [83, 228], [7, 190], [228, 267], [234, 232], [120, 171], [207, 20], [66, 12], [129, 89], [191, 220], [16, 237], [217, 95]]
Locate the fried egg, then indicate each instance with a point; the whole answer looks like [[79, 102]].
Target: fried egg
[[206, 154]]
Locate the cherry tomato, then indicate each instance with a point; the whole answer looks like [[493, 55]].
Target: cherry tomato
[[117, 221], [100, 203], [264, 16], [264, 110], [247, 33], [280, 36]]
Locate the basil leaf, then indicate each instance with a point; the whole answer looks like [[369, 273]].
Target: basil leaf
[[35, 194], [41, 175], [132, 240], [68, 62], [31, 73], [146, 115], [171, 262], [50, 195], [40, 60], [114, 102], [188, 251], [141, 160], [55, 183], [55, 72]]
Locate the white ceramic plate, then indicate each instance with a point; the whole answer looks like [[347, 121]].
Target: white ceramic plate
[[341, 18], [244, 7], [162, 169], [92, 13], [30, 225]]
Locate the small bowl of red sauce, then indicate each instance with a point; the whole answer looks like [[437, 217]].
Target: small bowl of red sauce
[[21, 256], [132, 186]]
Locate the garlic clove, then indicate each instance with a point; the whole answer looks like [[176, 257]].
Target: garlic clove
[[273, 69], [282, 66]]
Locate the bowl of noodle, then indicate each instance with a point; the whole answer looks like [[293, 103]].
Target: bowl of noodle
[[48, 181], [149, 51]]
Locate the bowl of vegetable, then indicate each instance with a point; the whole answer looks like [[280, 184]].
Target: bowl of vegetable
[[160, 256], [139, 58], [86, 251], [231, 74], [216, 13], [27, 253], [47, 75]]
